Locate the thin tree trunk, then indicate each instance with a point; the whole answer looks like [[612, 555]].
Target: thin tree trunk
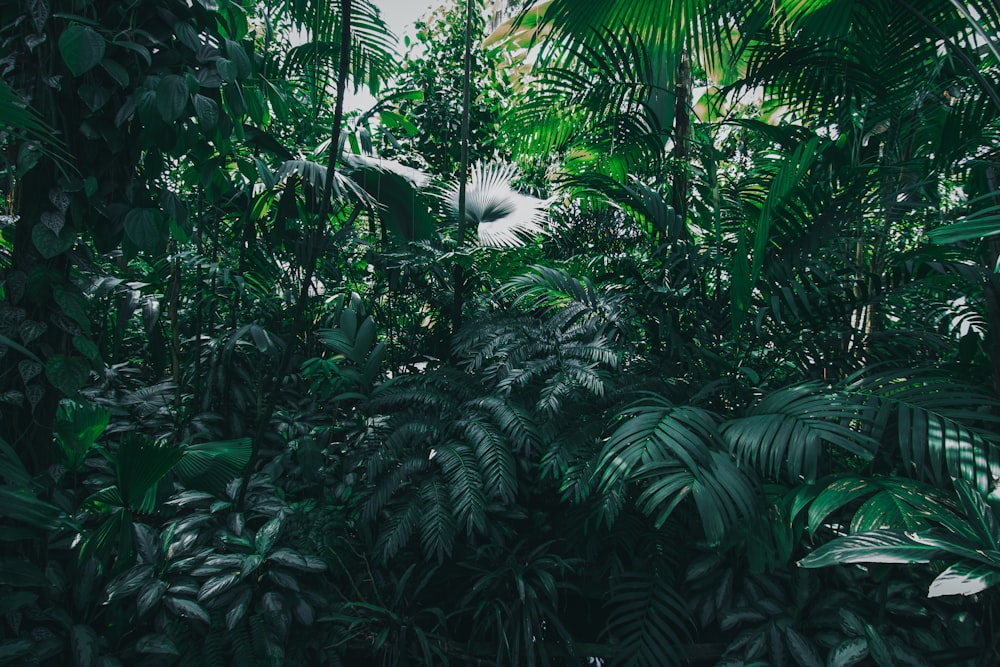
[[464, 167], [315, 234], [682, 146]]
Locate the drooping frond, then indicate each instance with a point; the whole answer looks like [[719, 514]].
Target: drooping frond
[[788, 429], [669, 452], [943, 428], [648, 620], [373, 46]]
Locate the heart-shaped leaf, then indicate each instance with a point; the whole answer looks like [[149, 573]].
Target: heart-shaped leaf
[[81, 48], [171, 97], [48, 243], [145, 228]]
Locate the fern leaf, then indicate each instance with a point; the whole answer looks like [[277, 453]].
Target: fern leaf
[[647, 622]]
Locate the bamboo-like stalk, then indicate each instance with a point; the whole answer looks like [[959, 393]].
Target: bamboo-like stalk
[[315, 233]]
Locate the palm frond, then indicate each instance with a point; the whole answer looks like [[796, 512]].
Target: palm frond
[[211, 466], [373, 46], [943, 427], [648, 620], [466, 485], [787, 429], [669, 452], [503, 217]]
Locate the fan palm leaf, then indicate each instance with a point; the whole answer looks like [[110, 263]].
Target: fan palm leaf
[[504, 218]]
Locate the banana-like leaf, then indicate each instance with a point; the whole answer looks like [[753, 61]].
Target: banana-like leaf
[[964, 579]]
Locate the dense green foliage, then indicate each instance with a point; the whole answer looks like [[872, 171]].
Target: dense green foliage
[[722, 385]]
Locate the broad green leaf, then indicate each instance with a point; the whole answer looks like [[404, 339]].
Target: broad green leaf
[[146, 228], [84, 641], [156, 644], [239, 58], [116, 72], [81, 48], [49, 244], [980, 515], [802, 649], [186, 608], [238, 609], [87, 348], [150, 595], [207, 111], [296, 561], [14, 648], [267, 536], [835, 496], [171, 97], [73, 304], [964, 579], [67, 374], [848, 653], [877, 546], [130, 581], [878, 647], [218, 584]]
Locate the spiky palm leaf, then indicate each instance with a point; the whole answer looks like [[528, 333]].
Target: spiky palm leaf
[[943, 428], [372, 58], [504, 218]]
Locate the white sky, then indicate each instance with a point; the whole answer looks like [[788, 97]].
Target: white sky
[[400, 14]]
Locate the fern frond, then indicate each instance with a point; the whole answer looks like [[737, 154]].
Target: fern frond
[[495, 458], [514, 421], [648, 621], [399, 527], [437, 522], [465, 484]]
